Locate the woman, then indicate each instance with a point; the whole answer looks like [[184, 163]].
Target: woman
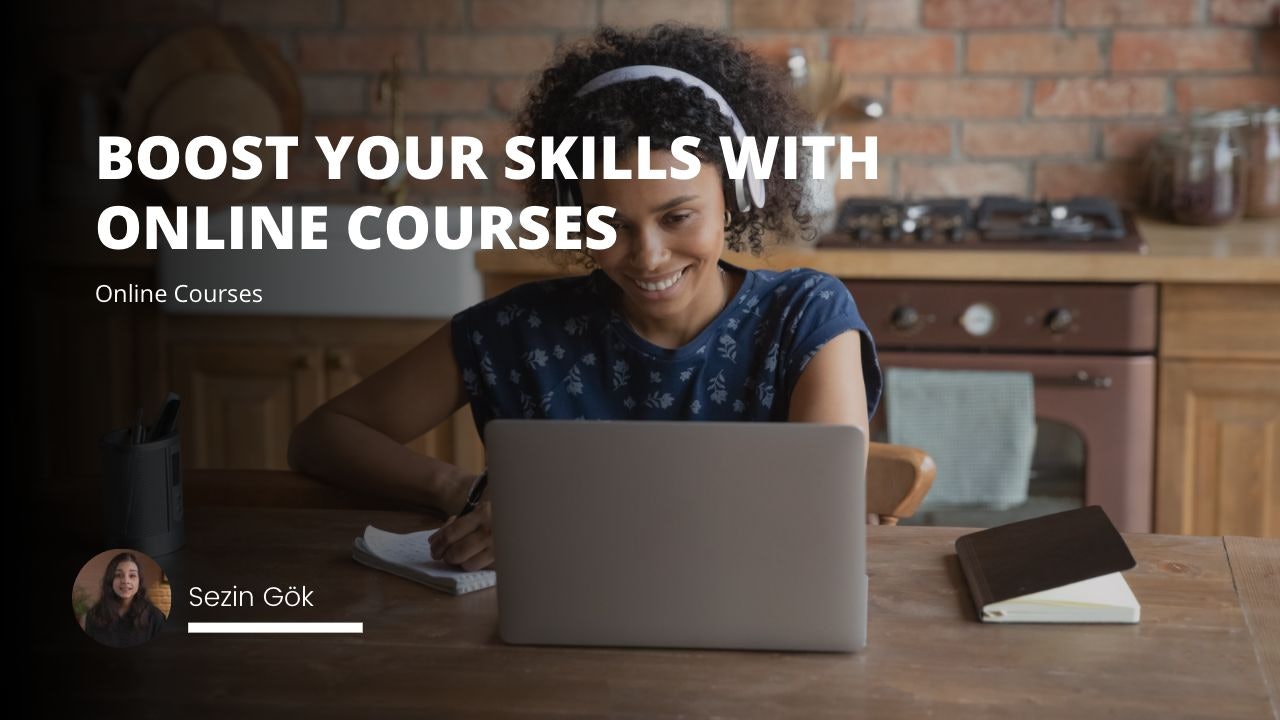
[[123, 616], [663, 328]]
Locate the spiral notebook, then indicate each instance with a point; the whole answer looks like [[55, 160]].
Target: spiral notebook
[[409, 556]]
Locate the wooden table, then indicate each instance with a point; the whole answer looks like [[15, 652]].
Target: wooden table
[[1208, 645]]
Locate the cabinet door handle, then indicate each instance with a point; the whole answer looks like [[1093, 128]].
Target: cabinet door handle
[[304, 362], [339, 361]]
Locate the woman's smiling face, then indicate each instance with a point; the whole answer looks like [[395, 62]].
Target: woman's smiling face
[[126, 580], [670, 239]]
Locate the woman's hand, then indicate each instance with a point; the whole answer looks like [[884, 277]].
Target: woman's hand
[[466, 541]]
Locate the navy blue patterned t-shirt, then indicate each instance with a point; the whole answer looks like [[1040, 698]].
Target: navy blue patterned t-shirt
[[557, 349]]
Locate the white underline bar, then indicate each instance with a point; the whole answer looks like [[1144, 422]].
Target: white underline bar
[[259, 628]]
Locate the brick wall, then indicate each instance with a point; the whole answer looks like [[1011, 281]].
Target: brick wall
[[1049, 97]]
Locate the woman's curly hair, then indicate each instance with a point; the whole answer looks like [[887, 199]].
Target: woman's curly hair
[[665, 109]]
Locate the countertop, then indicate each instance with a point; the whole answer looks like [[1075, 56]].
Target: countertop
[[1244, 253]]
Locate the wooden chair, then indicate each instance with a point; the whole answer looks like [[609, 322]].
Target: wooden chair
[[898, 478]]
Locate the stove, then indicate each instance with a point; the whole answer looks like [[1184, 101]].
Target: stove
[[998, 222], [1089, 347], [1090, 350]]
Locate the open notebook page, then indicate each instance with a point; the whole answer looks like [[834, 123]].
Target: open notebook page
[[1106, 598], [411, 552]]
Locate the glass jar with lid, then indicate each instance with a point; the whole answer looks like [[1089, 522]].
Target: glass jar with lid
[[1158, 172], [1263, 158], [1209, 170]]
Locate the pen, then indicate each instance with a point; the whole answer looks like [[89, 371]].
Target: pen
[[168, 417], [473, 498]]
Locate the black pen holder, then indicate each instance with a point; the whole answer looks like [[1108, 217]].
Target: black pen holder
[[142, 493]]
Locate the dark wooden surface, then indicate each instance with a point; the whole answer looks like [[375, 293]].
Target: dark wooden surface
[[1255, 564], [426, 654]]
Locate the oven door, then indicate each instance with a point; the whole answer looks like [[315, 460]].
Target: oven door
[[1094, 441]]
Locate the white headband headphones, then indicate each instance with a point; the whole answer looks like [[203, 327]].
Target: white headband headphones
[[749, 191]]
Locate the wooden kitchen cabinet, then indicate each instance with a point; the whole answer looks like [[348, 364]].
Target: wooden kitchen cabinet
[[247, 381], [240, 402], [1218, 454], [1219, 461]]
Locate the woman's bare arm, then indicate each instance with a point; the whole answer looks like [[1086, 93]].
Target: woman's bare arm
[[831, 389], [357, 439]]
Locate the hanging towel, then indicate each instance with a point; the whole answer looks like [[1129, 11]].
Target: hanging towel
[[979, 427]]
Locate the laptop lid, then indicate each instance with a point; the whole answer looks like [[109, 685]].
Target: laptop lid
[[679, 534]]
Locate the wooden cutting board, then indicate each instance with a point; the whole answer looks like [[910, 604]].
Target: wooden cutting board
[[220, 81], [225, 105]]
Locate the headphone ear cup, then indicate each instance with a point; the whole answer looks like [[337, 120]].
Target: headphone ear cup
[[740, 196], [748, 193], [748, 189], [755, 188]]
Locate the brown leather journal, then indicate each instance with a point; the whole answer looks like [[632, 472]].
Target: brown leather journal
[[1044, 553]]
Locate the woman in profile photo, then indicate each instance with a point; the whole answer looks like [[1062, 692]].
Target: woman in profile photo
[[123, 616]]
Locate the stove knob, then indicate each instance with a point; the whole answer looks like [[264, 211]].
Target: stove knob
[[904, 318], [863, 234], [893, 233], [956, 234], [1058, 320], [925, 233]]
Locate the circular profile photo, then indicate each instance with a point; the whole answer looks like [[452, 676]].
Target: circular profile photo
[[121, 598]]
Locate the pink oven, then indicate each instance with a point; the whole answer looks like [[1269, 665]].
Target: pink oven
[[1089, 347]]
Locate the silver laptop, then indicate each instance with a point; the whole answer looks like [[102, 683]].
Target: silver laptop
[[679, 534]]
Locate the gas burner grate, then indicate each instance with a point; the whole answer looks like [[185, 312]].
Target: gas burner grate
[[999, 222], [940, 220], [1082, 219]]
